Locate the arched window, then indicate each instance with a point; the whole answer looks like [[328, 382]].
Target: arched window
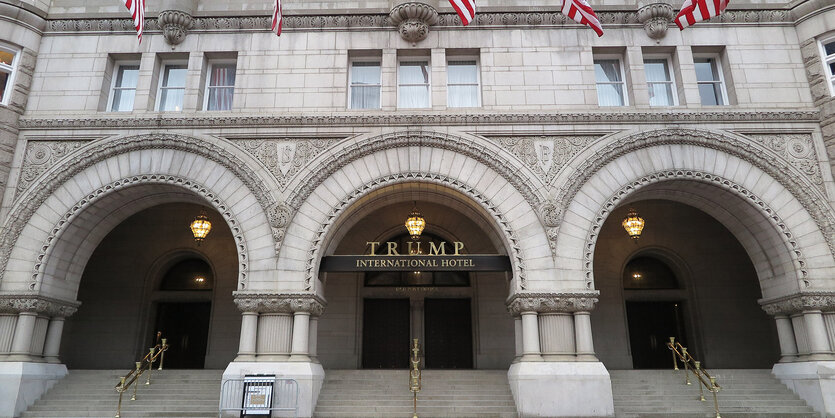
[[648, 273], [416, 278], [188, 274]]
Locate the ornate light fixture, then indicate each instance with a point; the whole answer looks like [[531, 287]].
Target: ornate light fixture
[[415, 223], [200, 227], [633, 224]]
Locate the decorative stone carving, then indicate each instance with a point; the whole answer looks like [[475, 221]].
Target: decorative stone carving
[[266, 302], [175, 25], [16, 303], [550, 213], [185, 120], [279, 216], [626, 190], [546, 155], [285, 157], [413, 19], [656, 17], [552, 302], [40, 155], [805, 300], [798, 149], [501, 220]]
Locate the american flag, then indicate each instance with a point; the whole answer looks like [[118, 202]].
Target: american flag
[[581, 12], [698, 10], [465, 9], [137, 12], [277, 18]]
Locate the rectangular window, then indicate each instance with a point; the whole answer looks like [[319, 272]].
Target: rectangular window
[[711, 83], [8, 62], [659, 82], [365, 85], [413, 84], [611, 90], [124, 88], [172, 87], [829, 62], [462, 83], [220, 86]]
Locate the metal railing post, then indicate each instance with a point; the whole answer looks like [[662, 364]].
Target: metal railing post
[[686, 366], [138, 373], [150, 365], [673, 352]]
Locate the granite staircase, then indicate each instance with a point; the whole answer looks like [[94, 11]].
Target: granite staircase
[[745, 393], [445, 393], [172, 393]]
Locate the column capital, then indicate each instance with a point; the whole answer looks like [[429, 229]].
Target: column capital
[[552, 302], [270, 302], [822, 300], [25, 302]]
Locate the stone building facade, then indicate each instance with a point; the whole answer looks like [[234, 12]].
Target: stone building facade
[[523, 135]]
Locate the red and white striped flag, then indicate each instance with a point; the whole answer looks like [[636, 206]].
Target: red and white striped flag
[[581, 12], [698, 10], [465, 9], [137, 12], [277, 18]]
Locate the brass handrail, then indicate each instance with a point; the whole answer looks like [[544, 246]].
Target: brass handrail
[[707, 381], [414, 373], [146, 364]]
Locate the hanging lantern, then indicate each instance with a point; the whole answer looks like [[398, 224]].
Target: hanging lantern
[[415, 223], [633, 224], [200, 227]]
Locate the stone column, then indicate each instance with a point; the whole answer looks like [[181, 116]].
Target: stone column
[[313, 339], [530, 337], [301, 332], [583, 336], [816, 333], [517, 328], [53, 340], [249, 337], [23, 333], [785, 332]]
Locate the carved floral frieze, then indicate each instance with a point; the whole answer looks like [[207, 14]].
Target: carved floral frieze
[[546, 155], [552, 302], [799, 302], [39, 156], [16, 303], [268, 302], [285, 157], [797, 149]]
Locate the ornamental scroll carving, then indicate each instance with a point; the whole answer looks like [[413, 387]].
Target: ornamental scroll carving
[[413, 19], [175, 25], [285, 157], [808, 300], [54, 308], [546, 155], [797, 149], [265, 302], [656, 17], [552, 302], [40, 155]]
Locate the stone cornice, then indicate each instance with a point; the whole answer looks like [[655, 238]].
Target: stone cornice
[[546, 18], [195, 120], [274, 302], [16, 303], [823, 300], [552, 302]]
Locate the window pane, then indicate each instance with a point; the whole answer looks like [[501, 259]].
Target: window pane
[[462, 72], [832, 68], [706, 69], [656, 70], [711, 94], [6, 57], [660, 94], [123, 100], [171, 100], [175, 76], [365, 73], [222, 75], [829, 48], [609, 95], [220, 98], [462, 96], [365, 97], [414, 72], [413, 96], [127, 76], [4, 78], [607, 71]]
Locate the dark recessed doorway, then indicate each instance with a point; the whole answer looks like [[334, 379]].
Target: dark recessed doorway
[[449, 334], [186, 326], [385, 335], [651, 324]]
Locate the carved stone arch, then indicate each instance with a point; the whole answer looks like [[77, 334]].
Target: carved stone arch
[[809, 194], [334, 214], [82, 158]]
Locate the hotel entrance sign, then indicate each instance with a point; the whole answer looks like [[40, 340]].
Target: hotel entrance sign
[[438, 257]]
